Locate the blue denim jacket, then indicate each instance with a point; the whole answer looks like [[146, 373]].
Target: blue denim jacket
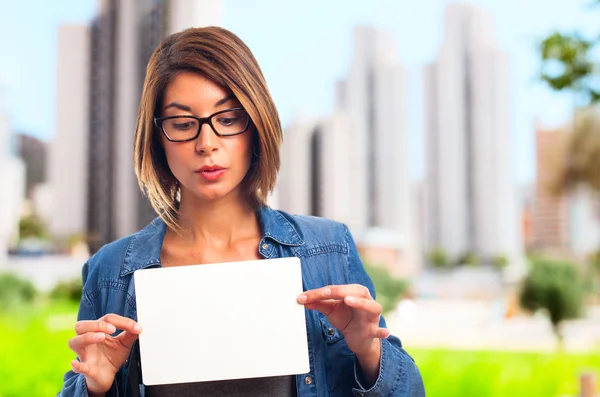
[[328, 256]]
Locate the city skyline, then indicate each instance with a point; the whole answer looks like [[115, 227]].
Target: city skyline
[[327, 41], [471, 195]]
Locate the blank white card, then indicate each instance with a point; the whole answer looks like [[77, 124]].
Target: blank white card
[[221, 321]]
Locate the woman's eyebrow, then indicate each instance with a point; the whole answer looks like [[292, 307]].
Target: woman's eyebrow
[[178, 106], [224, 100]]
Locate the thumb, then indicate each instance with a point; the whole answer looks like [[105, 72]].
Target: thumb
[[127, 338]]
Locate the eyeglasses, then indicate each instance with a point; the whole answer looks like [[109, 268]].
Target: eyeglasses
[[186, 128]]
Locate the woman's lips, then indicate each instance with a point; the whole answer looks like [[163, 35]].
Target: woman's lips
[[211, 174]]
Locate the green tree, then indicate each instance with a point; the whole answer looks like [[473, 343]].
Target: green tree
[[555, 287], [388, 288], [31, 226], [438, 258]]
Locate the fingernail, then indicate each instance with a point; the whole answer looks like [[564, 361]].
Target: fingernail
[[302, 298], [111, 328], [138, 328], [327, 291], [350, 299]]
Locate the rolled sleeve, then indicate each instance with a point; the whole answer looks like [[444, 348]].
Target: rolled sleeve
[[398, 375]]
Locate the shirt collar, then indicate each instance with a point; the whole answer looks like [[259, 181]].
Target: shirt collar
[[145, 246]]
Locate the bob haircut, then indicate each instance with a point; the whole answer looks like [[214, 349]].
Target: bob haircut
[[223, 58]]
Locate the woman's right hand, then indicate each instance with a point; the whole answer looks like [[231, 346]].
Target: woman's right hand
[[101, 355]]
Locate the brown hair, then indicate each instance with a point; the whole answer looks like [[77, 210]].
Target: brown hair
[[223, 58]]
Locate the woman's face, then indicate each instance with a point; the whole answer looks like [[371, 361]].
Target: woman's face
[[209, 167]]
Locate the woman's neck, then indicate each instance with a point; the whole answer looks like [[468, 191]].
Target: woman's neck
[[218, 223]]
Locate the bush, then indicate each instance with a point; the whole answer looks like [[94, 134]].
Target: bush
[[499, 261], [438, 258], [468, 259], [68, 290], [555, 286], [389, 289], [15, 291], [32, 227]]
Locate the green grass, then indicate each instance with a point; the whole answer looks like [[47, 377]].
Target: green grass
[[34, 351], [502, 374], [34, 356]]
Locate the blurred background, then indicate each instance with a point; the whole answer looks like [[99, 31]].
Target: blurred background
[[460, 141]]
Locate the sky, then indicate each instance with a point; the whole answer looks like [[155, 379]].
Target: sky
[[304, 47]]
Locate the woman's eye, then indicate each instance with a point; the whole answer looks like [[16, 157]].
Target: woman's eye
[[227, 121], [183, 126]]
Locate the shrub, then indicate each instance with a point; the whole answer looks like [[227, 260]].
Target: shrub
[[389, 289], [555, 286], [69, 290], [15, 291], [499, 261], [438, 258]]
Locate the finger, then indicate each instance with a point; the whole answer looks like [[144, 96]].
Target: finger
[[80, 368], [80, 342], [334, 292], [127, 339], [124, 323], [325, 307], [383, 333], [371, 307], [85, 326]]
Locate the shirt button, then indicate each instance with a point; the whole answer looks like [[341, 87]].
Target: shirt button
[[308, 380], [330, 332], [265, 246]]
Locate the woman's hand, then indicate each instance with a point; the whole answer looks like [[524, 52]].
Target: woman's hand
[[100, 354], [352, 310]]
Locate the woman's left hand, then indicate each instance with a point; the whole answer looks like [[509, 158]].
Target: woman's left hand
[[351, 309]]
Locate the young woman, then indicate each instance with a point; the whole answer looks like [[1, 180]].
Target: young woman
[[207, 155]]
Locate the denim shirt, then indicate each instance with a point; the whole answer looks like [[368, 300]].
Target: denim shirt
[[328, 256]]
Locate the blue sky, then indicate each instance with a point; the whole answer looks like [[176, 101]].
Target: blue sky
[[304, 47]]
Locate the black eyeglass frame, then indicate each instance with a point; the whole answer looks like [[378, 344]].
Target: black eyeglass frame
[[158, 122]]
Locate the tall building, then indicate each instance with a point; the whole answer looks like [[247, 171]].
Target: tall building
[[352, 165], [550, 212], [472, 200], [562, 222], [33, 152], [12, 175], [123, 37], [373, 97], [314, 177], [67, 160]]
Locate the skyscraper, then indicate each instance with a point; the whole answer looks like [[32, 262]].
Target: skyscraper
[[550, 208], [12, 175], [372, 95], [68, 157], [314, 177], [471, 195], [124, 36]]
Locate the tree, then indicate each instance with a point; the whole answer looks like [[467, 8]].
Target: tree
[[438, 258], [556, 287]]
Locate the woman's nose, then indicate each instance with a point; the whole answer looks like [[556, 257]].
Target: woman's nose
[[207, 142]]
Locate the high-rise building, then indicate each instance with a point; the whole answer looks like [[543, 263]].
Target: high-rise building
[[33, 152], [314, 177], [373, 97], [549, 223], [68, 157], [352, 166], [563, 222], [12, 174], [123, 37], [472, 200]]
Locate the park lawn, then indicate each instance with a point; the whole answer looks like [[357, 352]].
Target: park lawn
[[502, 374], [34, 356]]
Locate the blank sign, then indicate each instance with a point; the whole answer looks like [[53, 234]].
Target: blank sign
[[221, 321]]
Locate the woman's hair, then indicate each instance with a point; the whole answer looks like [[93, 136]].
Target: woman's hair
[[223, 58]]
